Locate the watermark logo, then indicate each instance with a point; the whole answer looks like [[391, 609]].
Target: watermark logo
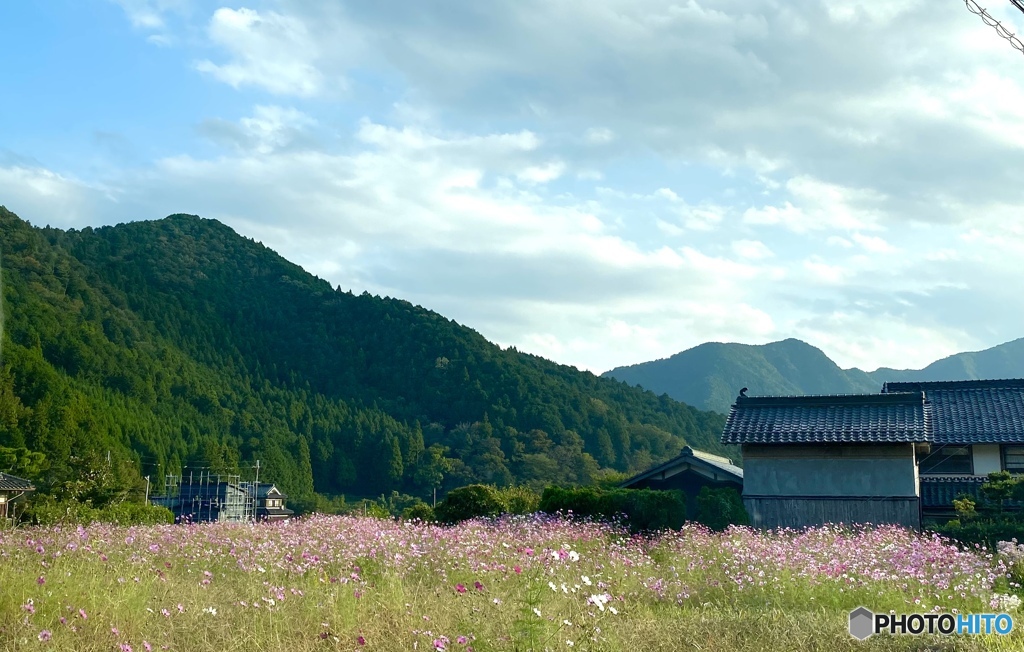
[[864, 623]]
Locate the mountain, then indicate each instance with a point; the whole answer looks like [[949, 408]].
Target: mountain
[[710, 375], [1001, 361], [177, 345]]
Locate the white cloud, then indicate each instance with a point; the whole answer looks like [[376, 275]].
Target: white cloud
[[542, 173], [149, 14], [751, 249], [599, 136], [271, 50]]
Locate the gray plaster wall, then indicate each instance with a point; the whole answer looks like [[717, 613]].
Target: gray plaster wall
[[830, 471]]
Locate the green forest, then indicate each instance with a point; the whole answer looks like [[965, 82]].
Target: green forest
[[177, 345]]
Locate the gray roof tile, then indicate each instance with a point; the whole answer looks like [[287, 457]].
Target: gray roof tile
[[861, 418], [972, 411], [13, 483]]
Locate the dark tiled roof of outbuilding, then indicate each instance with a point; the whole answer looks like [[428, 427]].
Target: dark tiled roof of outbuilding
[[972, 411], [689, 455], [856, 418], [14, 483]]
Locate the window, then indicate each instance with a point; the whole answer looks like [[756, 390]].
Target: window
[[949, 459], [1013, 459]]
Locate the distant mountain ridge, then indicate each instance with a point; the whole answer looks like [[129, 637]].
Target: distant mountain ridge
[[709, 375]]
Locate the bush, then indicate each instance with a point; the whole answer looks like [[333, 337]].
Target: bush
[[986, 532], [420, 511], [473, 501], [135, 514], [47, 510], [644, 509], [519, 500], [720, 508]]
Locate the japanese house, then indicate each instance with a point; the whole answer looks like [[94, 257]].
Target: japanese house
[[810, 460], [977, 428], [899, 456], [213, 498], [690, 472], [12, 488], [270, 504]]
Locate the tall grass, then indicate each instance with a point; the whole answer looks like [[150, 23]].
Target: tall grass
[[526, 583]]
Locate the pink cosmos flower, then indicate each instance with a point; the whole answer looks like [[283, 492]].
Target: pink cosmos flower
[[361, 640], [81, 612], [45, 635], [460, 588]]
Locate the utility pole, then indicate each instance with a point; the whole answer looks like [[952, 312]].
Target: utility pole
[[147, 491], [256, 492]]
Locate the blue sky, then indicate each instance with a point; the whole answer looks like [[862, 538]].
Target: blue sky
[[601, 182]]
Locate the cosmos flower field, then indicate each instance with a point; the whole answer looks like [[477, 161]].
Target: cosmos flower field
[[525, 583]]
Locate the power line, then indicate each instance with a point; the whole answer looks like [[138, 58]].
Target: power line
[[987, 18]]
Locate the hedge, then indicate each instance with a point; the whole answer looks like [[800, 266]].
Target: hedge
[[643, 509]]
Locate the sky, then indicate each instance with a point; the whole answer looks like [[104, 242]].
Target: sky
[[600, 182]]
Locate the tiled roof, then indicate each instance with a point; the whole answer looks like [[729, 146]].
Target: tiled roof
[[14, 483], [691, 456], [861, 418], [972, 411]]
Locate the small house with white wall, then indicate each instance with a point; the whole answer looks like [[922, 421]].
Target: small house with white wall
[[977, 428]]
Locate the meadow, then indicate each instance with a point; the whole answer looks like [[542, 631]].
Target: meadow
[[522, 583]]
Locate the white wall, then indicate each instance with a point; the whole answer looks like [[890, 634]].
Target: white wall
[[987, 459]]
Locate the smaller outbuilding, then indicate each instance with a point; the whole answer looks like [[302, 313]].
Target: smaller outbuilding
[[11, 489], [690, 472]]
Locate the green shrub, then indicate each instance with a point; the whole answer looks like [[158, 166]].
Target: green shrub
[[135, 514], [986, 532], [720, 508], [643, 509], [47, 510], [473, 501], [420, 511], [519, 500]]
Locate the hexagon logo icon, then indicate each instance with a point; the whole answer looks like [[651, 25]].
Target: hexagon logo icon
[[861, 623]]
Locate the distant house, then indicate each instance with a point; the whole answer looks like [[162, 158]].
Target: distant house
[[689, 472], [810, 460], [270, 504], [219, 500], [11, 489]]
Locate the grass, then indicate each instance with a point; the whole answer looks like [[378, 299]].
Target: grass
[[342, 583]]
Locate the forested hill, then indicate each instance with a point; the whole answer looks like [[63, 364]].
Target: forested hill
[[178, 343]]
